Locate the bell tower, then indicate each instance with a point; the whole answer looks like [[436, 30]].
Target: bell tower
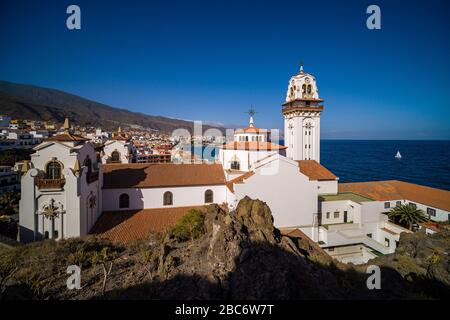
[[301, 113]]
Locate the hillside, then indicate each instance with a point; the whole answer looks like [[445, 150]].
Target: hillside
[[239, 255], [36, 103]]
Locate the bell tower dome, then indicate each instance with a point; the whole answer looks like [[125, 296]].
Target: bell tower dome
[[301, 112]]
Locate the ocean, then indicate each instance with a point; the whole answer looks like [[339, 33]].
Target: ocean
[[422, 162]]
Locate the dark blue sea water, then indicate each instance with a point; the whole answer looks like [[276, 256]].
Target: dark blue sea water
[[423, 162]]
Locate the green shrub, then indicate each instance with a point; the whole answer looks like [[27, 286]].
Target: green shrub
[[79, 258], [190, 226]]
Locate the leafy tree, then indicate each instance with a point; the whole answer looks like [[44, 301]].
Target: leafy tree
[[407, 214], [8, 203], [190, 226]]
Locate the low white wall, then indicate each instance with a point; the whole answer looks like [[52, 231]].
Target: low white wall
[[328, 187]]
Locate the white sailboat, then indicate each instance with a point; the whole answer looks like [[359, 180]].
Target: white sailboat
[[398, 155]]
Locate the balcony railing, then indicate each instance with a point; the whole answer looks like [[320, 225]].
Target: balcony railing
[[44, 184]]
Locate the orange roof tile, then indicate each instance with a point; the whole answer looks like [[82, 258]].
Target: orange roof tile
[[315, 171], [252, 130], [65, 137], [252, 145], [129, 226], [239, 179], [398, 190], [147, 175]]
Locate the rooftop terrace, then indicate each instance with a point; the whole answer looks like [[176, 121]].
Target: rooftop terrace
[[345, 196]]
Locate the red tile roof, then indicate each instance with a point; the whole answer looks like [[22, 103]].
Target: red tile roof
[[162, 175], [315, 171], [239, 179], [252, 145], [252, 130], [129, 226], [399, 190], [66, 137]]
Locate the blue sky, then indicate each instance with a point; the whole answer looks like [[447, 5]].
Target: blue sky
[[211, 60]]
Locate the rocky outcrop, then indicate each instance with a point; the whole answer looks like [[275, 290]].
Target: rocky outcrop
[[422, 258], [240, 255]]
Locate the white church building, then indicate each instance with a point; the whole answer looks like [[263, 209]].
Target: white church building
[[69, 191]]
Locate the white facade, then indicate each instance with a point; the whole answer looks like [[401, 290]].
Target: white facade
[[249, 146], [245, 158], [117, 151], [66, 205], [302, 118], [151, 198], [290, 195], [348, 222]]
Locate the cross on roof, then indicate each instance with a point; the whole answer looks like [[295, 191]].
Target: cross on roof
[[251, 111]]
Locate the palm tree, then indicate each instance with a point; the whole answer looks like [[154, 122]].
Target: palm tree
[[407, 214]]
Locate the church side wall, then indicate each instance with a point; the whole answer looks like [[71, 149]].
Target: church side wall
[[151, 198], [289, 194]]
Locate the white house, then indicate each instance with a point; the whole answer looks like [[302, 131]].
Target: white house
[[61, 189], [118, 149]]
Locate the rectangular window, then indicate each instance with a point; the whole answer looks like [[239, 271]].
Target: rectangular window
[[413, 204], [235, 165], [398, 203], [387, 205], [336, 214], [328, 215], [431, 212], [387, 242]]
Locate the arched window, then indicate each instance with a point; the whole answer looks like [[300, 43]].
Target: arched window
[[88, 163], [115, 156], [53, 170], [168, 198], [304, 88], [309, 89], [124, 201], [209, 196]]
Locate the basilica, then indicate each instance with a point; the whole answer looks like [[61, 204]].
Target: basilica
[[71, 189]]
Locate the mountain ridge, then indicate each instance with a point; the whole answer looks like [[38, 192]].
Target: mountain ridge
[[30, 102]]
